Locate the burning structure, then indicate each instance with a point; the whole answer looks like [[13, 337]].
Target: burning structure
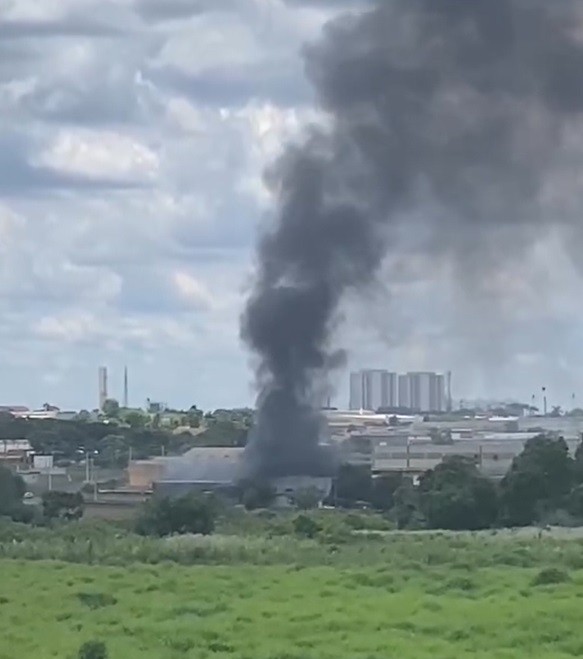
[[447, 123]]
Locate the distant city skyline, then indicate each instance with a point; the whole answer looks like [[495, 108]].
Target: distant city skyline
[[373, 389]]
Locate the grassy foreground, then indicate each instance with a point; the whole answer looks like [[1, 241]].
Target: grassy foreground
[[49, 608]]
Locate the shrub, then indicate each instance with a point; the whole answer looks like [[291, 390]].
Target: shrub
[[63, 505], [307, 498], [551, 575], [93, 650], [11, 490], [306, 526], [188, 514]]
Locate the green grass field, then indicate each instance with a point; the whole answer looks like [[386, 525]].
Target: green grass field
[[257, 590], [48, 609]]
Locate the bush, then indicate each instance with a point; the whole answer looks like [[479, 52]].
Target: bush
[[12, 490], [307, 498], [551, 575], [188, 514], [306, 526], [63, 505], [93, 650]]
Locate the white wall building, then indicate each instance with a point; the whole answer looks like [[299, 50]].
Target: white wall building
[[419, 392], [373, 389], [422, 392]]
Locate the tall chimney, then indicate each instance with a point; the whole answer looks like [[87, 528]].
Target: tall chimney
[[125, 386], [102, 383], [449, 400]]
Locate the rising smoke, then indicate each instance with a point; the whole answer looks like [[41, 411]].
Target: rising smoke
[[447, 119]]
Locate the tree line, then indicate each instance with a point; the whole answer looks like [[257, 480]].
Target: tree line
[[111, 444], [544, 485]]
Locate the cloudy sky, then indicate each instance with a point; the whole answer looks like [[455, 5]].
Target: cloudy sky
[[133, 135]]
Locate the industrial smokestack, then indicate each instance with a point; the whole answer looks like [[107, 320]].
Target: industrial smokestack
[[125, 387], [446, 119], [102, 384]]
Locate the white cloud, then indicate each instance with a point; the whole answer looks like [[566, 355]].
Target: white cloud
[[100, 154], [192, 291]]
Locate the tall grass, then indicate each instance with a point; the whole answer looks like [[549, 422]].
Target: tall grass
[[167, 611], [104, 544]]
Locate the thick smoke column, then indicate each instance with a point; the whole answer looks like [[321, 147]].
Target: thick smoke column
[[452, 112]]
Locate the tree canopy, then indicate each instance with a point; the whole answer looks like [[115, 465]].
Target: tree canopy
[[539, 480], [456, 496]]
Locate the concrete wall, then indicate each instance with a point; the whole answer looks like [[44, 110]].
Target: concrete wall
[[143, 473]]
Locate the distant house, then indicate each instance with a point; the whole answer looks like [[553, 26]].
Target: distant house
[[69, 415], [15, 410], [14, 451]]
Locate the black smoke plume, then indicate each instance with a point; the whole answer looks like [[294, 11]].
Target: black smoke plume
[[447, 119]]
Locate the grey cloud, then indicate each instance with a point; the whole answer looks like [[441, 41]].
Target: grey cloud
[[221, 87], [160, 10], [95, 102], [332, 4], [75, 27]]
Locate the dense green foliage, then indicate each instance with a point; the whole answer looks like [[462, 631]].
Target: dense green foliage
[[539, 481], [188, 514], [67, 506], [12, 490], [456, 496], [125, 432]]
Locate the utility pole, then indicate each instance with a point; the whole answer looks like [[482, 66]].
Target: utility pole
[[87, 466], [544, 401]]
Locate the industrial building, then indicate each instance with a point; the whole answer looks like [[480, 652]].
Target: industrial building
[[208, 469], [409, 445]]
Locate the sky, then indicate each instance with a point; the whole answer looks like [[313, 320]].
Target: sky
[[133, 139]]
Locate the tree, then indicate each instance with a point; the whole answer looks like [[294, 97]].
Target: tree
[[221, 432], [575, 504], [63, 505], [383, 490], [538, 481], [113, 450], [578, 464], [194, 417], [136, 419], [83, 416], [406, 509], [111, 408], [306, 526], [188, 514], [456, 496], [12, 490], [307, 498]]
